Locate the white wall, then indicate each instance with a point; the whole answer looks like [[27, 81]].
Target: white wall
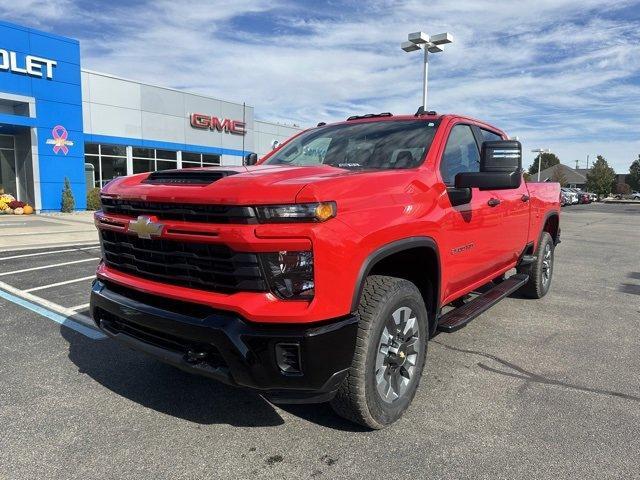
[[125, 108]]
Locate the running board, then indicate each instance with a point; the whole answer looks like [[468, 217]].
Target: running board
[[459, 317]]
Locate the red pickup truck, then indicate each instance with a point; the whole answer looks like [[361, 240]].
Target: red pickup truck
[[320, 273]]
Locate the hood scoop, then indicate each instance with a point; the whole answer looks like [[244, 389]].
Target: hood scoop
[[187, 177]]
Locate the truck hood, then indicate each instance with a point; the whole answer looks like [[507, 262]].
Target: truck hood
[[260, 184]]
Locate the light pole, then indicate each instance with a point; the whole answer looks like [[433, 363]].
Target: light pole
[[540, 151], [430, 44]]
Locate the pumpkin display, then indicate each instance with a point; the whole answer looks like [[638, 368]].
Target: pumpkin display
[[28, 209], [18, 211]]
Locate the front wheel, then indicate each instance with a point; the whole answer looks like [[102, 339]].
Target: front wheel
[[390, 353], [541, 271]]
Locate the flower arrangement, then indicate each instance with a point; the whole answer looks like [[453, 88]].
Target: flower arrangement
[[10, 206]]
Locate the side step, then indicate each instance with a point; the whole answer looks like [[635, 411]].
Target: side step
[[459, 317]]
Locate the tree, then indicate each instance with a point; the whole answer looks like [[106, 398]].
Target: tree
[[559, 176], [623, 188], [634, 175], [600, 177], [548, 160], [68, 202]]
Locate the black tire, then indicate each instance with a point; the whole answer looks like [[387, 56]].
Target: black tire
[[359, 398], [541, 271]]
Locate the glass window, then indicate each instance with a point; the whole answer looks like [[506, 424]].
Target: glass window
[[143, 165], [91, 148], [114, 150], [165, 165], [211, 159], [190, 157], [95, 161], [460, 155], [166, 154], [191, 165], [113, 167], [8, 172], [488, 136], [370, 145], [143, 152], [6, 141]]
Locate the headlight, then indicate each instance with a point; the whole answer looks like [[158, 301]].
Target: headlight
[[290, 274], [297, 212]]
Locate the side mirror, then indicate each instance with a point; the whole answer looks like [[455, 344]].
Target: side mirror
[[500, 167], [251, 159]]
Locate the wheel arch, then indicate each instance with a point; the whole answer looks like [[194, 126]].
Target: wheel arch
[[551, 225], [416, 259]]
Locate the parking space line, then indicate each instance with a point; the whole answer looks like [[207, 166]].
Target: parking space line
[[75, 321], [92, 259], [79, 307], [51, 285], [51, 232], [52, 252]]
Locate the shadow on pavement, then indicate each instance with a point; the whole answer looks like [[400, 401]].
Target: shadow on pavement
[[171, 391], [166, 389]]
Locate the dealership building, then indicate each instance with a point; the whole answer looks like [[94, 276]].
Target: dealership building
[[58, 120]]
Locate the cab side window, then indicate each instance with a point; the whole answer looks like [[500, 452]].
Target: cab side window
[[460, 155], [488, 136]]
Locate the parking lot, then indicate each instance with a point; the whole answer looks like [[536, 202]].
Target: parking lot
[[531, 389]]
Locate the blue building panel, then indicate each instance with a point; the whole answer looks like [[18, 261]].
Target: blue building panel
[[14, 37], [50, 46], [52, 195], [60, 143], [58, 103]]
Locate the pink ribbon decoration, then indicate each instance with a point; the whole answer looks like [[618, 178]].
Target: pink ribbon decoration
[[60, 141]]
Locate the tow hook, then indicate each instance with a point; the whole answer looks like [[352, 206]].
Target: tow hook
[[195, 357]]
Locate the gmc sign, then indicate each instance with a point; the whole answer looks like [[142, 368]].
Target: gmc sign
[[206, 122]]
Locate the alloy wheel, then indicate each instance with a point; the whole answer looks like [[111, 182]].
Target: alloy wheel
[[397, 354]]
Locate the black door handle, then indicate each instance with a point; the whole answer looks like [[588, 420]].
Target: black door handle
[[493, 202], [525, 198]]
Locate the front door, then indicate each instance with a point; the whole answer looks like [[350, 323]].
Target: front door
[[8, 177], [471, 227]]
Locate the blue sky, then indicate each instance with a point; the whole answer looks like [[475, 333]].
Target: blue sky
[[559, 74]]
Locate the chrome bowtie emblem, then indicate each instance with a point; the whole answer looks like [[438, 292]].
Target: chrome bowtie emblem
[[144, 227]]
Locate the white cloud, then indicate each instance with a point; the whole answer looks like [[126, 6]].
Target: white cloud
[[558, 73]]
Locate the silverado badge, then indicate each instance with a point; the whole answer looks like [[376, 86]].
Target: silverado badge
[[146, 226]]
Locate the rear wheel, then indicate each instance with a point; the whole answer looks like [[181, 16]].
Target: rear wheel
[[390, 353], [541, 271]]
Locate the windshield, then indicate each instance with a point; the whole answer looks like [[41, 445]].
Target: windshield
[[371, 145]]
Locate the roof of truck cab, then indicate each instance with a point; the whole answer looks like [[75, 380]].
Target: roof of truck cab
[[437, 116]]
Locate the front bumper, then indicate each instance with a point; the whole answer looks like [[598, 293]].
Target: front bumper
[[223, 346]]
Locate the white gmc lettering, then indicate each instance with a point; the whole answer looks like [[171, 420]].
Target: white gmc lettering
[[32, 65]]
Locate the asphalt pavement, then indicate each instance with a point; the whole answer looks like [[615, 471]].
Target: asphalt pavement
[[531, 389]]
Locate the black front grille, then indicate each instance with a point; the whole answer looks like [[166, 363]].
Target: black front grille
[[195, 265], [186, 212]]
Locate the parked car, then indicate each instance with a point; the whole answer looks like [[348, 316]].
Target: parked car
[[572, 196], [319, 274], [583, 197], [564, 199], [635, 196]]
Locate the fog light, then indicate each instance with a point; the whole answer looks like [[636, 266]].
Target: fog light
[[288, 358], [290, 274]]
